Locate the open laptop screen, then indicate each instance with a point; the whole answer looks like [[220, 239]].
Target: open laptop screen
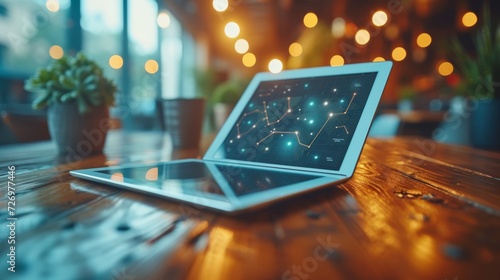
[[305, 122]]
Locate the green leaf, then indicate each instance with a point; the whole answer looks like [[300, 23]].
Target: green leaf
[[42, 100]]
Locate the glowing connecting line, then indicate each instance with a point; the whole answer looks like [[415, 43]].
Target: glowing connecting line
[[343, 126], [266, 118], [330, 116], [289, 110]]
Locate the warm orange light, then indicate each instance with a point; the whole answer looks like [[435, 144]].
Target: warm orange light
[[275, 65], [469, 19], [241, 46], [445, 68], [249, 59], [310, 20], [151, 66], [295, 49], [337, 60], [152, 174], [378, 58], [391, 32], [52, 5], [116, 61], [220, 5], [232, 29], [362, 37], [56, 52], [163, 20], [424, 40], [350, 30], [117, 177], [379, 18], [398, 54]]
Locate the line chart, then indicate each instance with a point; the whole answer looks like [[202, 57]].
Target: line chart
[[330, 116], [296, 133], [266, 118]]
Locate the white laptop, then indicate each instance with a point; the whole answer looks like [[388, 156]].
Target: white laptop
[[290, 133]]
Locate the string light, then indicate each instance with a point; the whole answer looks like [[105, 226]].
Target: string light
[[249, 59], [362, 37], [52, 5], [398, 54], [337, 60], [424, 40], [295, 49], [310, 20], [220, 5], [241, 46], [379, 18], [115, 61], [151, 66], [469, 19], [275, 66], [56, 52], [445, 68], [232, 29], [163, 20]]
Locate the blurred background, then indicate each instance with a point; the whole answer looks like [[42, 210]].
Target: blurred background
[[190, 48]]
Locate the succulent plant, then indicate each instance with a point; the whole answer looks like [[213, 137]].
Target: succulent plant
[[72, 79]]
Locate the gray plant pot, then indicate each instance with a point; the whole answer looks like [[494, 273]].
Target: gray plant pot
[[76, 134], [183, 119]]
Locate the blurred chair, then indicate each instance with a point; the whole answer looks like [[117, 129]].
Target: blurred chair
[[384, 126], [26, 128]]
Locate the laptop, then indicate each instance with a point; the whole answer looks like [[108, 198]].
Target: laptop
[[290, 133]]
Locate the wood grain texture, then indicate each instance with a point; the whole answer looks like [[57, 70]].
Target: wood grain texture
[[413, 210]]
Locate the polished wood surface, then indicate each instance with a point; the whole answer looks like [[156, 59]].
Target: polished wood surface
[[414, 209]]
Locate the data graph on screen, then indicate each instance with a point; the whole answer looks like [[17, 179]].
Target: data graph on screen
[[307, 122]]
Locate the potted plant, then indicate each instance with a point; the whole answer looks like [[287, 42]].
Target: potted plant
[[225, 97], [77, 95], [481, 78]]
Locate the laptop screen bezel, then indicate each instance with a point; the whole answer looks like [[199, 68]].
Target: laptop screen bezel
[[359, 137]]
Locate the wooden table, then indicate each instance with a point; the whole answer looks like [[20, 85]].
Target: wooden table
[[415, 209]]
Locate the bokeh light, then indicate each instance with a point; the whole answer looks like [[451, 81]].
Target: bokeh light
[[350, 30], [163, 20], [52, 5], [337, 60], [295, 49], [379, 18], [469, 19], [116, 61], [391, 32], [445, 68], [232, 29], [310, 20], [424, 40], [338, 27], [151, 66], [56, 52], [378, 58], [241, 46], [220, 5], [362, 37], [398, 54], [249, 59], [275, 66]]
